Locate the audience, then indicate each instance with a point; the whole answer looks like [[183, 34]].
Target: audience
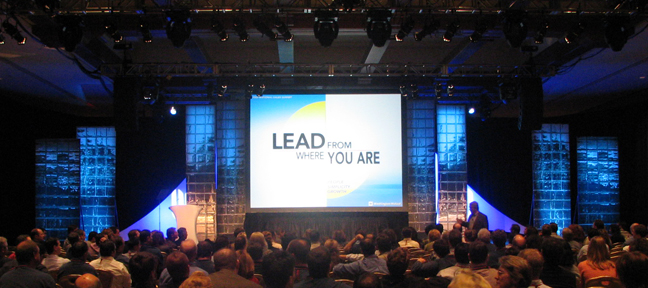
[[25, 274], [535, 260], [87, 281], [370, 263], [468, 278], [78, 254], [425, 268], [463, 261], [143, 267], [204, 257], [632, 270], [397, 262], [197, 280], [552, 274], [319, 265], [598, 261], [53, 261], [299, 249], [278, 270], [514, 272], [225, 262], [107, 262]]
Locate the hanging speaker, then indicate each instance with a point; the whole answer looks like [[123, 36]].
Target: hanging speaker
[[531, 104]]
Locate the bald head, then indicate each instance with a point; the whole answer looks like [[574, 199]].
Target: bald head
[[189, 248], [225, 259], [519, 241], [87, 281]]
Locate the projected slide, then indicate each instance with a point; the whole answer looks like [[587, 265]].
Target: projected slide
[[325, 151]]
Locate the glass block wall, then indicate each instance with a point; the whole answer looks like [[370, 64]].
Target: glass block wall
[[551, 193], [231, 135], [598, 179], [421, 148], [57, 185], [98, 151], [453, 169], [201, 171]]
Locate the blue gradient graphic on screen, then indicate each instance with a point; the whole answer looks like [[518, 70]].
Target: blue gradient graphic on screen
[[325, 151]]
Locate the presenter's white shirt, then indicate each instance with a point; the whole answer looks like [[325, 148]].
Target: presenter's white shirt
[[121, 278]]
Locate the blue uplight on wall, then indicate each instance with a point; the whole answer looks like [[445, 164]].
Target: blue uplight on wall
[[453, 168], [598, 180], [98, 151], [551, 192]]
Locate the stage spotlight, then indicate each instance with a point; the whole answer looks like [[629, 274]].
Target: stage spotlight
[[471, 110], [414, 91], [241, 31], [221, 90], [70, 31], [13, 32], [219, 29], [112, 31], [480, 28], [542, 32], [283, 30], [572, 35], [326, 26], [617, 31], [260, 90], [438, 89], [379, 26], [515, 30], [348, 5], [178, 27], [145, 29], [429, 28], [262, 27], [173, 110], [405, 29], [249, 91], [403, 91], [451, 29]]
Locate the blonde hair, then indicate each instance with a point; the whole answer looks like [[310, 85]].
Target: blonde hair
[[598, 255], [468, 278], [197, 280]]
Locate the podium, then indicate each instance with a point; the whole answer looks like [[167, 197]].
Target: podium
[[186, 217]]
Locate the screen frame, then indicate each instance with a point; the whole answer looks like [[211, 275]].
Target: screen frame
[[404, 170]]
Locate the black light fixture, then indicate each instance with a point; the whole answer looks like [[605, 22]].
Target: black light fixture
[[481, 25], [515, 28], [150, 92], [13, 32], [450, 89], [403, 91], [70, 31], [617, 30], [414, 91], [406, 28], [348, 5], [438, 89], [542, 32], [219, 29], [451, 29], [145, 29], [249, 91], [508, 89], [2, 38], [572, 35], [241, 31], [484, 107], [379, 26], [112, 31], [430, 26], [283, 29], [262, 27], [222, 88], [178, 27], [260, 90], [326, 26]]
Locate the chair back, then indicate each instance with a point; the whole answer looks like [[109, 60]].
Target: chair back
[[260, 278], [604, 282], [106, 278], [67, 281], [347, 282]]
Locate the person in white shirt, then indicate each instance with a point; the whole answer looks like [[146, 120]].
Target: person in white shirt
[[53, 261], [407, 239], [107, 262]]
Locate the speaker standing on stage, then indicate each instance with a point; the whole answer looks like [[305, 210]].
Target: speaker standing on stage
[[477, 219]]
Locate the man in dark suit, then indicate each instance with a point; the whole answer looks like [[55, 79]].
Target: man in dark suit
[[477, 220], [226, 264]]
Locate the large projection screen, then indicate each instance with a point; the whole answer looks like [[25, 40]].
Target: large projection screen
[[326, 153]]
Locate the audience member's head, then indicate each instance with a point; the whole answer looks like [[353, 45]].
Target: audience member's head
[[245, 266], [339, 236], [299, 248], [107, 249], [441, 248], [278, 269], [53, 246], [177, 264], [319, 262], [238, 231], [535, 241], [484, 235], [258, 238], [514, 272], [367, 247], [640, 231], [240, 242], [478, 252], [519, 241], [535, 260], [221, 242], [189, 248], [461, 253], [470, 235], [204, 250], [579, 233], [468, 278], [407, 233], [145, 237], [552, 251], [546, 230], [37, 235], [143, 267], [515, 229], [171, 233], [499, 238], [530, 230], [21, 238], [397, 261], [434, 235], [4, 247], [73, 237], [134, 245], [454, 238], [554, 227], [87, 281], [255, 250], [640, 245], [631, 269], [157, 238], [27, 253], [314, 237], [598, 224], [287, 238], [367, 280], [133, 234], [457, 226], [197, 280], [225, 259], [182, 233], [78, 250], [383, 243], [567, 235], [598, 253]]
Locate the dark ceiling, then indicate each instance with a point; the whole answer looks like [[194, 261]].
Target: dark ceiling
[[576, 76]]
